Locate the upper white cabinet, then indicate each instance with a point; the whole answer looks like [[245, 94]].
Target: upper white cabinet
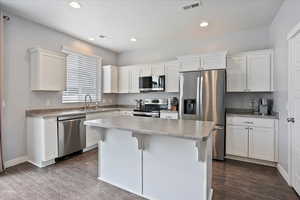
[[145, 70], [47, 70], [213, 61], [129, 79], [158, 69], [203, 62], [236, 73], [190, 63], [172, 76], [110, 79], [123, 85], [250, 72], [134, 74]]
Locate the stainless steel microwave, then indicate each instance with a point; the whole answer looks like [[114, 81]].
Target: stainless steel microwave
[[152, 83]]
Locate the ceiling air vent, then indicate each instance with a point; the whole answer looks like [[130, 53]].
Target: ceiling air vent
[[192, 5]]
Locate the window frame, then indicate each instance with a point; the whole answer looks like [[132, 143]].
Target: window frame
[[98, 75]]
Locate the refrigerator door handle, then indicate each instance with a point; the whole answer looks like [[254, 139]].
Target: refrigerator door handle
[[198, 98], [201, 99]]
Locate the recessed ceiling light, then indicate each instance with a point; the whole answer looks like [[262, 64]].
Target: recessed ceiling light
[[133, 39], [204, 24], [74, 4], [91, 39], [102, 36]]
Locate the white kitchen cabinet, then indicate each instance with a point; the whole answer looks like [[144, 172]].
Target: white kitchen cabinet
[[42, 145], [134, 75], [236, 74], [250, 72], [259, 72], [110, 79], [124, 80], [92, 134], [237, 140], [145, 70], [172, 76], [252, 138], [261, 143], [213, 61], [47, 70], [190, 63], [158, 69]]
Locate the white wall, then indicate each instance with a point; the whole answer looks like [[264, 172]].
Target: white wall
[[233, 42], [20, 35], [287, 17]]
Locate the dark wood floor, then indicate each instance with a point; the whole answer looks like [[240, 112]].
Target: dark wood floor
[[75, 178]]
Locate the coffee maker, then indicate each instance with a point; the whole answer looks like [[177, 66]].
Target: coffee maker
[[265, 106]]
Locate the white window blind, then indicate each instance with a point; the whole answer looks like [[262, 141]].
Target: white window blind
[[82, 78]]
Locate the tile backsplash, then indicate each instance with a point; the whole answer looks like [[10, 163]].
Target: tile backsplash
[[243, 100]]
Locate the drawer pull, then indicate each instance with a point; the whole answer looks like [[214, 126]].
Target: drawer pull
[[248, 122]]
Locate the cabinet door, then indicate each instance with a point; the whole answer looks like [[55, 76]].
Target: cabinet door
[[259, 72], [145, 70], [110, 79], [123, 80], [237, 140], [158, 69], [262, 143], [134, 79], [190, 63], [172, 76], [213, 61], [236, 74], [49, 139]]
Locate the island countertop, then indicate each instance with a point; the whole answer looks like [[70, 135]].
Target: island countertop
[[188, 129]]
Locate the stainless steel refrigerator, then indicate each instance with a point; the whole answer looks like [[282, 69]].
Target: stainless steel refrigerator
[[202, 98]]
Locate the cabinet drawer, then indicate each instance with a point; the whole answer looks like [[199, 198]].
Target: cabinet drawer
[[170, 115], [246, 121]]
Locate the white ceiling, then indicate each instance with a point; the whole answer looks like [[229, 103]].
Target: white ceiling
[[153, 22]]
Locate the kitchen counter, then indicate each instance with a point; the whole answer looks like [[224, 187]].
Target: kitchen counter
[[54, 112], [248, 113], [189, 129]]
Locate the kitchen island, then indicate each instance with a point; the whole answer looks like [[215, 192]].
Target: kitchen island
[[156, 158]]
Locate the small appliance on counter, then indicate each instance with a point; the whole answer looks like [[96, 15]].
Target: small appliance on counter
[[265, 106], [151, 108], [173, 103], [139, 104]]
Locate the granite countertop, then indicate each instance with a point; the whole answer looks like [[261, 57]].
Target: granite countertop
[[188, 129], [54, 112], [249, 113]]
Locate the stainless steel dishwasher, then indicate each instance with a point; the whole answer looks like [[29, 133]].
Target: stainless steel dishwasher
[[71, 134]]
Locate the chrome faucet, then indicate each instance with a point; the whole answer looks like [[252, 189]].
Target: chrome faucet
[[87, 104]]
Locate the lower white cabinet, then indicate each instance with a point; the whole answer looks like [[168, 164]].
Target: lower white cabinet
[[252, 138], [261, 143], [42, 146], [237, 140]]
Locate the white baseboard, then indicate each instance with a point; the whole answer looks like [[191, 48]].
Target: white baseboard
[[15, 161], [249, 160], [90, 148], [283, 173]]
